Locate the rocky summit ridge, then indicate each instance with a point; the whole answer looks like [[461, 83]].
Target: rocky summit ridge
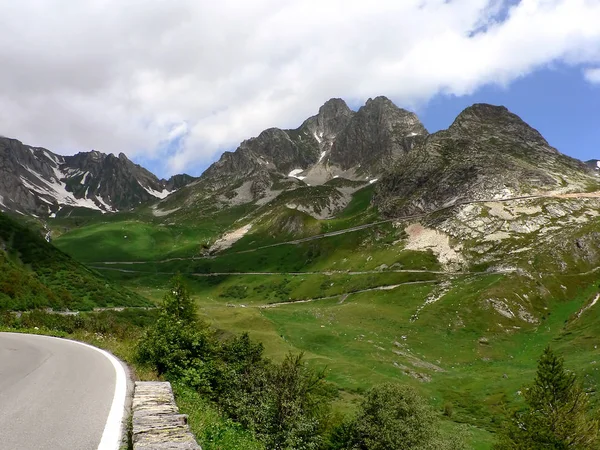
[[487, 152], [336, 143], [35, 181]]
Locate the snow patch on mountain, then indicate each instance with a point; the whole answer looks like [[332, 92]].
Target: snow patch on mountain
[[105, 204], [294, 174], [158, 194], [57, 190]]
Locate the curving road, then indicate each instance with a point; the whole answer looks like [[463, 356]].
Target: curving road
[[58, 394]]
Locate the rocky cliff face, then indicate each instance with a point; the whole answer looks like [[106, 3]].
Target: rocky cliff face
[[378, 134], [282, 152], [37, 181], [487, 153], [335, 143]]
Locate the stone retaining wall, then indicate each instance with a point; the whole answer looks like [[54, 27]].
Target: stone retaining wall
[[157, 424]]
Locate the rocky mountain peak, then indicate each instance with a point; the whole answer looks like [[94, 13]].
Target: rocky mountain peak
[[334, 107], [376, 134], [275, 148], [488, 152], [379, 102], [332, 118], [486, 121]]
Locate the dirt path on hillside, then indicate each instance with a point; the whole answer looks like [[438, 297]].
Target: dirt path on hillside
[[363, 227], [345, 295], [324, 272]]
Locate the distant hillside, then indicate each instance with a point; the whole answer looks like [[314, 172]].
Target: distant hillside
[[38, 182], [35, 274]]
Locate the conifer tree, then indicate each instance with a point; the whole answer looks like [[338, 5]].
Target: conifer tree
[[177, 302], [557, 414]]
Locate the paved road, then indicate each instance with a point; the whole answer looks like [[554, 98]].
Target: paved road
[[57, 394]]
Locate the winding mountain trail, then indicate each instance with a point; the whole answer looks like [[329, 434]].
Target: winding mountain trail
[[324, 272], [345, 295], [362, 227]]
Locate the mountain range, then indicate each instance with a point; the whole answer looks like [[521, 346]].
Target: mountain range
[[487, 153]]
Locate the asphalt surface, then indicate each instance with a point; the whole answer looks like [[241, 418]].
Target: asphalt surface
[[54, 394]]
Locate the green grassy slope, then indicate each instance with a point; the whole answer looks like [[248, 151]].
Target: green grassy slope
[[34, 274], [140, 236], [451, 336]]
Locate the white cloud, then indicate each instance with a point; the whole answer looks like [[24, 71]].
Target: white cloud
[[129, 75], [592, 75]]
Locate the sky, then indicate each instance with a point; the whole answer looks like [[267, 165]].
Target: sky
[[174, 83]]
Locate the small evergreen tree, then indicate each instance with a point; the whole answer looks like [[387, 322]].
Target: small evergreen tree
[[177, 343], [557, 414], [177, 303]]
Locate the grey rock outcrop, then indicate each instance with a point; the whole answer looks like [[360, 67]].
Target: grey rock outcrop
[[377, 134], [157, 424]]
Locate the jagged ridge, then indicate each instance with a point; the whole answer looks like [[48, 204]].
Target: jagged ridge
[[36, 181]]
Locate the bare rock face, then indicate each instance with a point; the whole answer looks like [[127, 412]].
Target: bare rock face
[[487, 153], [280, 151], [333, 118], [337, 142], [36, 181], [377, 134]]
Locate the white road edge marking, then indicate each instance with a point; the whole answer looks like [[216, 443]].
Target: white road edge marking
[[111, 436]]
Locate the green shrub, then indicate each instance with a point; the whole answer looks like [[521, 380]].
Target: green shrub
[[394, 417], [448, 410], [285, 406]]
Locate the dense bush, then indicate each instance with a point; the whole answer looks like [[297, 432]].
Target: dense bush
[[285, 405], [394, 417]]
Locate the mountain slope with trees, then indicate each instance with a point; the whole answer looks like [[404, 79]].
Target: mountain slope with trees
[[35, 274]]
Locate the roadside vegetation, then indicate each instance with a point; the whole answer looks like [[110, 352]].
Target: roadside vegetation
[[284, 405], [239, 398]]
